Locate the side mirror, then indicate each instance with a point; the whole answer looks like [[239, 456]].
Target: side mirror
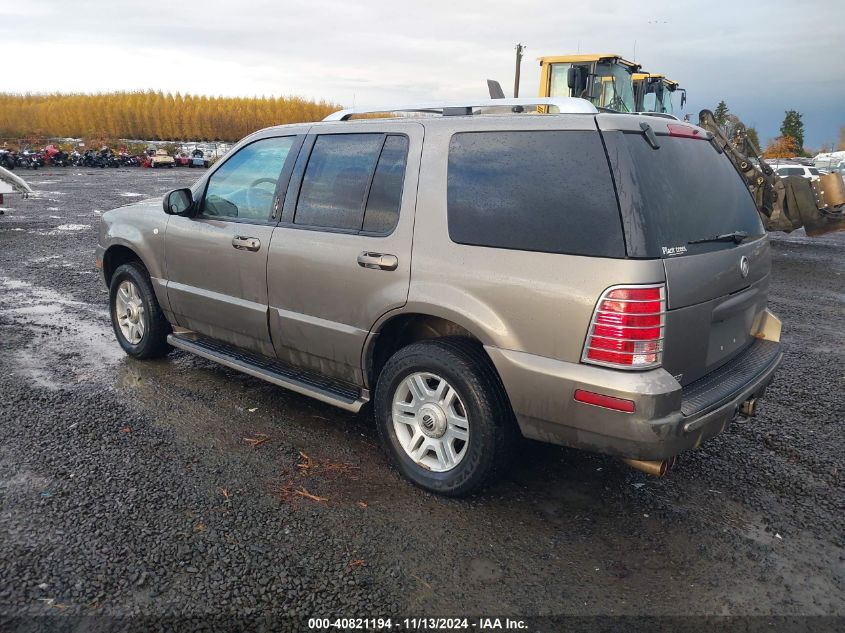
[[178, 202], [576, 79], [683, 98]]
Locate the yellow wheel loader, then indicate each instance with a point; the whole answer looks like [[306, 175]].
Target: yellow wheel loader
[[653, 93], [606, 80]]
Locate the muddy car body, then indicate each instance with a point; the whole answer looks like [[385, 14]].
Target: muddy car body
[[591, 280]]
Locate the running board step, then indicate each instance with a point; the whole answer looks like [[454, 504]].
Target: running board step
[[334, 392]]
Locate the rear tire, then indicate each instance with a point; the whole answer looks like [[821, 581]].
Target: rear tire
[[138, 321], [455, 429]]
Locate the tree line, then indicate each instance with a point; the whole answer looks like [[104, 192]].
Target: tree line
[[150, 115], [790, 143]]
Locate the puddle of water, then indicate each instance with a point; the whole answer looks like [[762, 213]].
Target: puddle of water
[[80, 340], [73, 227]]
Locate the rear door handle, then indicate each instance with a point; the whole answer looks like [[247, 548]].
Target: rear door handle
[[378, 261], [246, 243]]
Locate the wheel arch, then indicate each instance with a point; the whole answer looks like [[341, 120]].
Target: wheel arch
[[400, 329], [115, 256]]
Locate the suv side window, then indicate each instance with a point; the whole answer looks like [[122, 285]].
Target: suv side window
[[353, 182], [244, 187], [336, 180], [385, 197]]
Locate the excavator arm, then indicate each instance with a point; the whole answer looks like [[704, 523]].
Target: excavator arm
[[785, 203]]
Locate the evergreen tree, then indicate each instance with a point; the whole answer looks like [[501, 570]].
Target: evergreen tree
[[793, 128], [721, 112]]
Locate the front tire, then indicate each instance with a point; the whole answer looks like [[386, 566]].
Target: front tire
[[137, 319], [443, 416]]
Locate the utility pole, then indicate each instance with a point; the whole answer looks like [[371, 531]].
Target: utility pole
[[519, 49]]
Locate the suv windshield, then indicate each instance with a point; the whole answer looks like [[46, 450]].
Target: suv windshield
[[686, 194]]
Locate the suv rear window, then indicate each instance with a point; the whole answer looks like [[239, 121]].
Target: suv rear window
[[548, 191], [685, 191]]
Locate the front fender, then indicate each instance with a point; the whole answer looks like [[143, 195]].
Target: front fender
[[141, 228]]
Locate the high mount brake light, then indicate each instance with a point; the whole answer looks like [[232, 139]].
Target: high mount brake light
[[627, 328], [685, 131]]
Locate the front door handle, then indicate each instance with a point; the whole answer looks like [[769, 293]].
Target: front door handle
[[378, 261], [246, 243]]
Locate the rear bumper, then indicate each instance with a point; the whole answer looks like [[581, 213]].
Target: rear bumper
[[667, 420]]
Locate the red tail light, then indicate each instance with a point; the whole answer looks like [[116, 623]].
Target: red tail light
[[627, 328]]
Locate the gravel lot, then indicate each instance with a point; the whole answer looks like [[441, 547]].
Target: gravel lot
[[178, 487]]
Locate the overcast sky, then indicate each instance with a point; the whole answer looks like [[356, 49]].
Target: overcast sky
[[761, 59]]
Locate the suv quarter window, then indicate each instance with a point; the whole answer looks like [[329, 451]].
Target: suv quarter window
[[243, 188], [549, 191], [353, 182]]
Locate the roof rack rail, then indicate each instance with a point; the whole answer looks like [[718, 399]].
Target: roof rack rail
[[567, 105]]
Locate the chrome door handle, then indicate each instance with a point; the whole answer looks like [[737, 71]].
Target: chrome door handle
[[378, 261], [246, 243]]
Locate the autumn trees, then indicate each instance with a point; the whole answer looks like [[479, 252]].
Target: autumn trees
[[781, 147], [790, 143], [150, 115]]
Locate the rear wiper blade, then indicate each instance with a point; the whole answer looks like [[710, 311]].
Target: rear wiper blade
[[736, 236]]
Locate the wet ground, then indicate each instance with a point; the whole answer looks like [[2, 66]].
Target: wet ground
[[179, 487]]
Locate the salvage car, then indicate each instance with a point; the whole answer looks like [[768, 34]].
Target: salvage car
[[162, 159], [198, 159], [588, 279]]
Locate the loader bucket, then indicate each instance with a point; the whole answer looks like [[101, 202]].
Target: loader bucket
[[802, 199]]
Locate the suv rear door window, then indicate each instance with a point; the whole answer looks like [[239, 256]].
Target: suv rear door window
[[684, 191], [244, 187], [386, 190], [548, 191], [337, 179]]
